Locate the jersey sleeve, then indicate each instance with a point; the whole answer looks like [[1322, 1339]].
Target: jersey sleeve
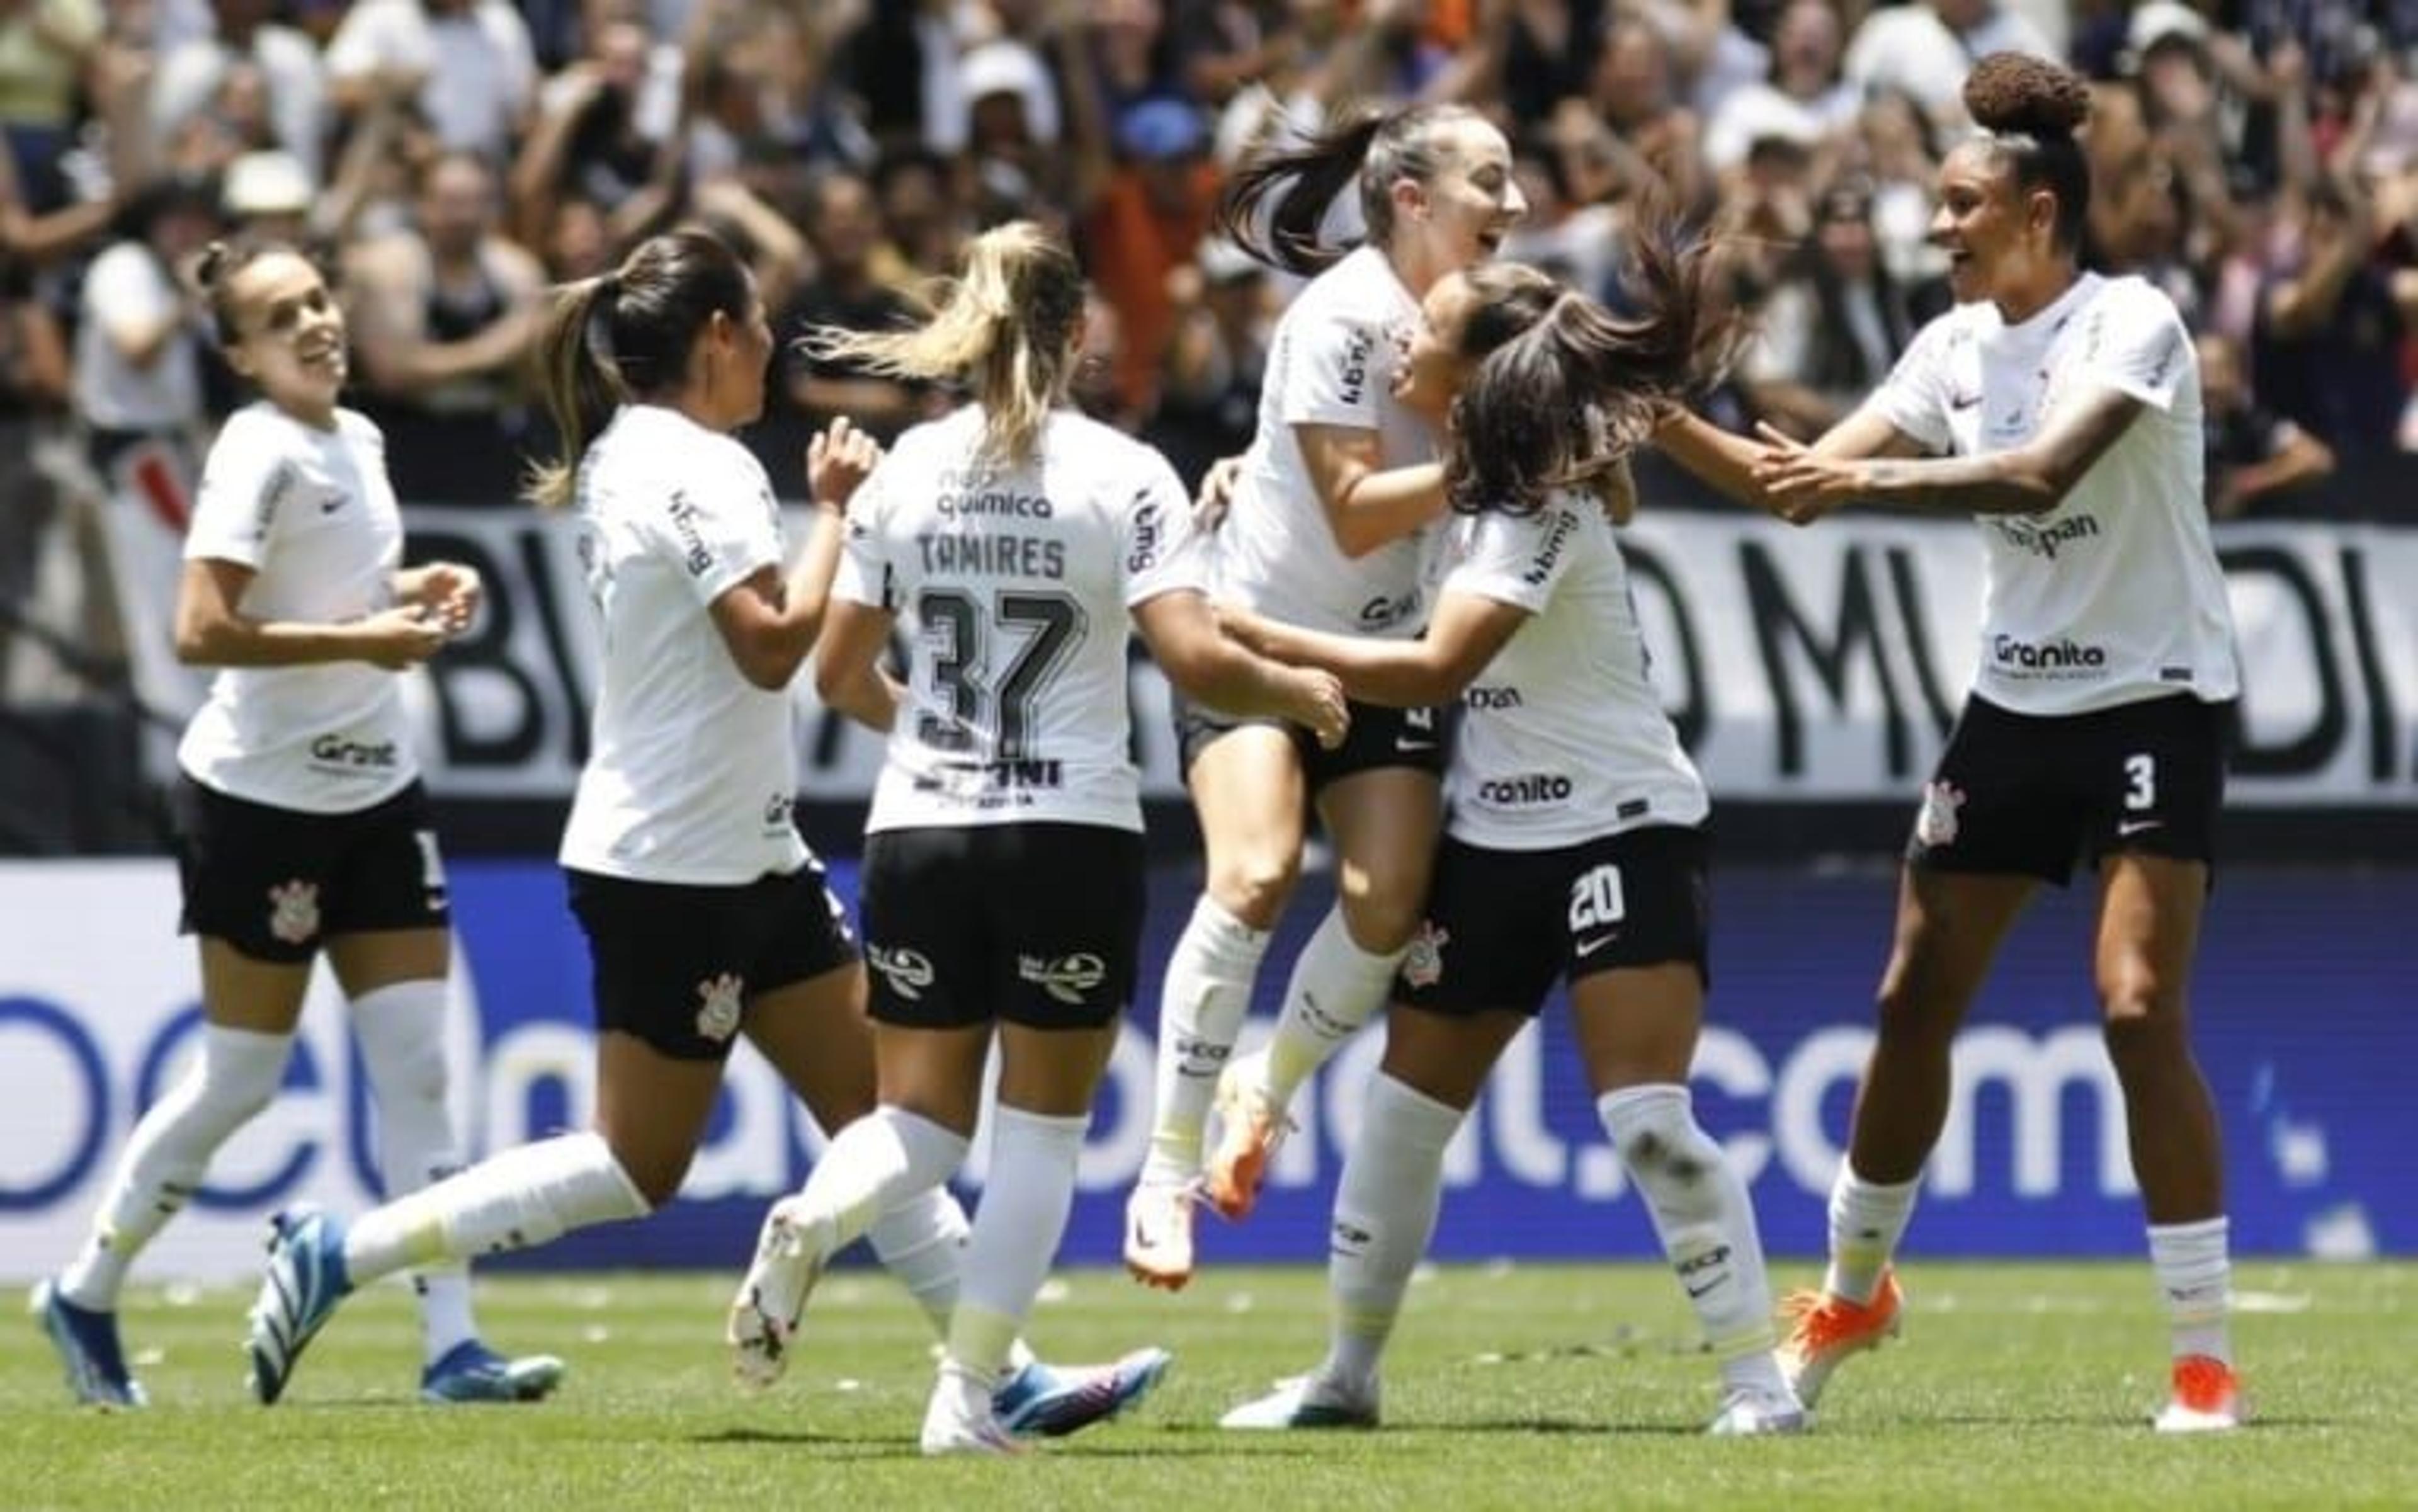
[[1915, 396], [1338, 374], [864, 576], [2138, 346], [1161, 551], [1516, 560], [723, 529], [245, 480]]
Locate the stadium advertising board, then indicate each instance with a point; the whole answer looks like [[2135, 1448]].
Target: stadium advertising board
[[1819, 665], [2302, 1000]]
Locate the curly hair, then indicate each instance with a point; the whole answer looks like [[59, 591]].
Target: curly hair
[[2029, 110]]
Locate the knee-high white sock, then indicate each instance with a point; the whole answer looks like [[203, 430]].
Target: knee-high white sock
[[1201, 1012], [1335, 987], [1384, 1215], [1706, 1224], [922, 1242], [516, 1199], [401, 1029], [236, 1076], [1867, 1220], [1016, 1234], [2196, 1275], [873, 1167]]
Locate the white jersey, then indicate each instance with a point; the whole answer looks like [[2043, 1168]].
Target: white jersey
[[691, 776], [2115, 595], [1331, 362], [1561, 739], [1012, 590], [312, 513]]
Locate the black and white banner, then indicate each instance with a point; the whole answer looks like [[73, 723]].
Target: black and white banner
[[1816, 664]]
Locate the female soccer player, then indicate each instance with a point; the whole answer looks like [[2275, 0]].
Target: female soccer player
[[1576, 845], [1008, 544], [302, 825], [2063, 410], [707, 918], [1325, 531]]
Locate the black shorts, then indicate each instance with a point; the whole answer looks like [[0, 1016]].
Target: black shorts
[[2026, 794], [277, 883], [1502, 926], [1379, 737], [1038, 924], [677, 965]]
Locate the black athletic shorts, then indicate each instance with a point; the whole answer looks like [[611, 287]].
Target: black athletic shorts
[[1038, 924], [677, 963], [277, 883], [1502, 926], [1379, 737], [2026, 794]]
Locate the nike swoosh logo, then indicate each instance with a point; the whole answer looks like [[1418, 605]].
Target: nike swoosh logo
[[1588, 947], [1413, 747], [1963, 401], [2133, 827], [1700, 1291]]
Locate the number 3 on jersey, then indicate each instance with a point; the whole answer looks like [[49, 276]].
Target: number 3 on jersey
[[958, 634]]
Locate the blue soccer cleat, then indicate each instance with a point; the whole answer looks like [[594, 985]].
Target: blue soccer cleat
[[472, 1372], [1049, 1402], [306, 1280], [87, 1344]]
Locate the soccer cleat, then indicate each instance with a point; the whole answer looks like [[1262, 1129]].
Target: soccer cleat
[[1252, 1124], [789, 1257], [1747, 1412], [306, 1280], [472, 1372], [1824, 1329], [959, 1418], [1310, 1401], [87, 1342], [1040, 1401], [1158, 1234], [2207, 1399]]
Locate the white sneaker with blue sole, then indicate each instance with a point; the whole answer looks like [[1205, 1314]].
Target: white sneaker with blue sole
[[1052, 1402]]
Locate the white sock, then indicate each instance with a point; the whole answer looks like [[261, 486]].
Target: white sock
[[1867, 1220], [236, 1076], [2196, 1275], [1384, 1215], [401, 1029], [1016, 1234], [1201, 1012], [1702, 1216], [873, 1166], [516, 1199], [1335, 987], [922, 1243]]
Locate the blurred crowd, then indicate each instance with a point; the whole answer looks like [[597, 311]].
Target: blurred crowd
[[2257, 158]]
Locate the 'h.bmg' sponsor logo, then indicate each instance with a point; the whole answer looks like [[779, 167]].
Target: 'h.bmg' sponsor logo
[[684, 516], [908, 972], [2048, 658], [1351, 382], [1068, 979], [1550, 553]]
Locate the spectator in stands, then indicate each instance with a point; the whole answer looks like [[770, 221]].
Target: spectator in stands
[[1209, 391], [47, 49], [1149, 217], [2331, 324], [1926, 49], [445, 312], [466, 66], [244, 33], [2255, 455], [1833, 327], [33, 399], [138, 372], [844, 228], [1805, 97]]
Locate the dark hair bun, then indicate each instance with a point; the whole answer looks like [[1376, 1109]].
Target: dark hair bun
[[2017, 93]]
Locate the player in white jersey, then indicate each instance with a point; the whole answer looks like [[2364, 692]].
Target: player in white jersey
[[1008, 544], [2063, 410], [1325, 529], [707, 918], [1574, 846], [302, 826]]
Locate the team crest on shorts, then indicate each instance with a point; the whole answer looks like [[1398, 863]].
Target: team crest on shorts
[[717, 1012], [1935, 824], [294, 911], [1423, 963]]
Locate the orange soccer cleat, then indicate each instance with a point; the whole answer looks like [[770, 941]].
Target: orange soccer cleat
[[1825, 1329]]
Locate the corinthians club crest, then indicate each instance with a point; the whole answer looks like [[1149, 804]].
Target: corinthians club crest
[[294, 911], [717, 1014], [1935, 824]]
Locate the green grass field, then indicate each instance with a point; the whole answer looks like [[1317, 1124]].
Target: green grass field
[[1530, 1386]]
